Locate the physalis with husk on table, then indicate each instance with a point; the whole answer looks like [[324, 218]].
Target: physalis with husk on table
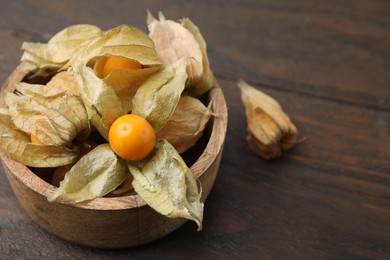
[[270, 130], [104, 88]]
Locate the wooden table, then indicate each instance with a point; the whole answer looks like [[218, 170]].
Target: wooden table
[[326, 62]]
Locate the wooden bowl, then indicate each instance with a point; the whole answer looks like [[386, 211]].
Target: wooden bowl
[[112, 222]]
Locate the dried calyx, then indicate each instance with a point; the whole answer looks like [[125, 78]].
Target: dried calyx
[[270, 130]]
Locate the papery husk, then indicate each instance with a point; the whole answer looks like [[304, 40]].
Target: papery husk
[[96, 174], [64, 80], [157, 98], [173, 42], [53, 116], [17, 145], [124, 41], [60, 171], [48, 58], [167, 185], [187, 124], [206, 81], [125, 188], [270, 130]]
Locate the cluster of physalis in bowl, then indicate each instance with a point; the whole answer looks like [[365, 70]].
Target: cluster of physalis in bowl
[[113, 112]]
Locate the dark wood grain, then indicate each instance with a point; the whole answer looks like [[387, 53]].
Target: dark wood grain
[[326, 62]]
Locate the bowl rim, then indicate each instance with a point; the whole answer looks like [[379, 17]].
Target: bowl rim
[[32, 181]]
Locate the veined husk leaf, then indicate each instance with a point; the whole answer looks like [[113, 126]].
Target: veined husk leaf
[[125, 41], [174, 42], [64, 80], [38, 66], [186, 125], [157, 98], [167, 185], [96, 174], [59, 173], [53, 116], [271, 131], [101, 102], [17, 144], [50, 57]]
